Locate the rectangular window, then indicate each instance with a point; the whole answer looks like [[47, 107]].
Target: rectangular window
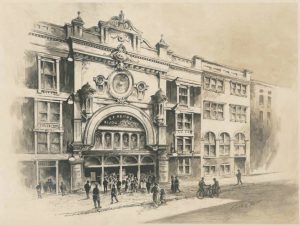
[[48, 74], [225, 169], [213, 84], [209, 170], [42, 142], [54, 142], [238, 113], [180, 145], [213, 111], [188, 144], [238, 89], [269, 100], [180, 121], [183, 96], [184, 166], [184, 121], [48, 112], [261, 99]]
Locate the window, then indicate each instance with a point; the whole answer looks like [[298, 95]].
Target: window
[[238, 89], [210, 145], [224, 169], [184, 166], [213, 110], [269, 100], [269, 117], [55, 142], [224, 145], [213, 84], [42, 146], [48, 74], [261, 116], [184, 144], [238, 113], [240, 144], [48, 112], [184, 121], [269, 92], [261, 99], [183, 95], [49, 140], [209, 170]]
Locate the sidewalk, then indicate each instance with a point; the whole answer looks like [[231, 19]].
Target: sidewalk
[[77, 204]]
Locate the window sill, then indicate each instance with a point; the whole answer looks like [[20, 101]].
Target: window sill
[[209, 157], [214, 119], [237, 121], [216, 91], [239, 95]]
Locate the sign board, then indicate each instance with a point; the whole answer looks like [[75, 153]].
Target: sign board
[[76, 176], [163, 171]]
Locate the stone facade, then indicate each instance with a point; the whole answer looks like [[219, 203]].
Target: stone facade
[[102, 100]]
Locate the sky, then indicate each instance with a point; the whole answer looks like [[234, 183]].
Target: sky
[[261, 37]]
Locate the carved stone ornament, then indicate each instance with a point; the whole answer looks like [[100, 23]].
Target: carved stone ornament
[[141, 88], [120, 85]]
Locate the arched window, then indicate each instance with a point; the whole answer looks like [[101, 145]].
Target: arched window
[[142, 141], [98, 139], [107, 140], [134, 141], [117, 139], [224, 145], [240, 144], [210, 144], [125, 140]]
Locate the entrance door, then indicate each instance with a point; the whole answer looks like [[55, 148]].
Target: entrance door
[[239, 164]]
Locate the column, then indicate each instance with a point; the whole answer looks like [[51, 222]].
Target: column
[[71, 178], [134, 42], [138, 141], [57, 76], [37, 171], [35, 142], [60, 115], [138, 43], [57, 181], [35, 113], [112, 140], [188, 95], [121, 169], [247, 163], [48, 142], [217, 148], [39, 75], [139, 168], [121, 140], [102, 171], [61, 143]]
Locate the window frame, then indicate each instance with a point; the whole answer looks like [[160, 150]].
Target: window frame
[[184, 144], [184, 165], [238, 89], [213, 108], [187, 95], [208, 84], [238, 113], [223, 144], [210, 142], [240, 142]]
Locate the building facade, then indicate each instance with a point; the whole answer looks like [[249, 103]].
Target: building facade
[[103, 100], [264, 125]]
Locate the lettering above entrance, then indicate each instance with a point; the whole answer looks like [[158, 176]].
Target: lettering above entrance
[[122, 121]]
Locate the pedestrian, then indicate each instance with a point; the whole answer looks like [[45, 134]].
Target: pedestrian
[[39, 190], [176, 185], [202, 185], [119, 184], [105, 183], [113, 194], [239, 177], [215, 188], [87, 189], [62, 188], [96, 197], [162, 196], [155, 196], [126, 185], [148, 185], [172, 184]]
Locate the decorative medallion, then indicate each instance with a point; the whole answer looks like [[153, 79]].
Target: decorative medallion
[[100, 82], [141, 88], [120, 85]]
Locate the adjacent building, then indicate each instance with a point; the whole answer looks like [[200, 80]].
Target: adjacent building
[[103, 100]]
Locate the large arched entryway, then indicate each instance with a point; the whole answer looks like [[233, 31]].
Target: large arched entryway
[[120, 136]]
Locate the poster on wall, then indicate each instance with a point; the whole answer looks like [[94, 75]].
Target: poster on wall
[[163, 171], [76, 176]]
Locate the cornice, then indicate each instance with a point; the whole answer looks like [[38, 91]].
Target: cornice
[[47, 36]]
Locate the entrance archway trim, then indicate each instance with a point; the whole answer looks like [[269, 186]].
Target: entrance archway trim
[[106, 111]]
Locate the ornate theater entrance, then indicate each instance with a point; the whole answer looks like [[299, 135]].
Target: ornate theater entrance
[[119, 149]]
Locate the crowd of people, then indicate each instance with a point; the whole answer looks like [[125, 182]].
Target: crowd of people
[[131, 184]]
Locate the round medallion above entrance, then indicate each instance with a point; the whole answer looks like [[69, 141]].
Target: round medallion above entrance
[[120, 84]]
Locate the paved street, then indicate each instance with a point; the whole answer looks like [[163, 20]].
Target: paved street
[[275, 202]]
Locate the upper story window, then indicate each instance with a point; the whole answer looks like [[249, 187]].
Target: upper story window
[[210, 144], [183, 95], [184, 121], [238, 113], [184, 144], [224, 145], [261, 116], [261, 100], [213, 110], [48, 74], [240, 144], [269, 100], [213, 84], [48, 112], [48, 142], [238, 89]]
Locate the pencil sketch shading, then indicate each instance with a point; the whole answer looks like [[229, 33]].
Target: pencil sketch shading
[[112, 124]]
